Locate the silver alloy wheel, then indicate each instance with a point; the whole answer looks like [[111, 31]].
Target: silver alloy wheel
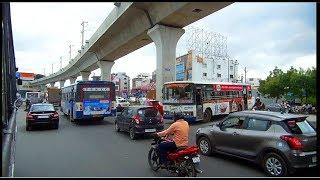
[[274, 166], [204, 146]]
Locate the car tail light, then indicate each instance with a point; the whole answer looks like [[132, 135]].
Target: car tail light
[[136, 118], [29, 116], [55, 115], [294, 142]]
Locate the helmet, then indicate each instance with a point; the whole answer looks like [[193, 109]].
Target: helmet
[[177, 115]]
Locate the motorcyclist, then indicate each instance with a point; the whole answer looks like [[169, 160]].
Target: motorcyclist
[[28, 104], [179, 131], [258, 105]]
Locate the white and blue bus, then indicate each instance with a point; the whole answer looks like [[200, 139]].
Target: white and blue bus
[[88, 100], [201, 101]]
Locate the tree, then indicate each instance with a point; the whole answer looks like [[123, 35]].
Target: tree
[[273, 86]]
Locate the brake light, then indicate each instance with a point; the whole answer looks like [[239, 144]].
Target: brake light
[[294, 142], [29, 116], [136, 118], [55, 115]]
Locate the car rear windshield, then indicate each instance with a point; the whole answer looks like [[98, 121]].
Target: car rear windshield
[[299, 126], [40, 108], [148, 112]]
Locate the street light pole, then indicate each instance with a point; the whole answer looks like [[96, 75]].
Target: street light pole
[[82, 32]]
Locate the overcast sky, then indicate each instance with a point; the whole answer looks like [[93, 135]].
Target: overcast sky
[[260, 36]]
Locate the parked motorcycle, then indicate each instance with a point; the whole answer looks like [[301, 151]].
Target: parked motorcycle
[[183, 162]]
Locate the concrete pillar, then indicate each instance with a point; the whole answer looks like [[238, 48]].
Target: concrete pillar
[[62, 83], [85, 75], [72, 80], [105, 67], [165, 39], [52, 84]]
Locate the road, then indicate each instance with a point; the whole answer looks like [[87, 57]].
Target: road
[[95, 149]]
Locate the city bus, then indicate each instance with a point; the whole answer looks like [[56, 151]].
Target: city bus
[[88, 100], [201, 101]]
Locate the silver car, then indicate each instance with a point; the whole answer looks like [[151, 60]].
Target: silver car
[[280, 143]]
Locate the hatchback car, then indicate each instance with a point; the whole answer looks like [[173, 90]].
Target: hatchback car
[[139, 120], [42, 113], [121, 103], [280, 143]]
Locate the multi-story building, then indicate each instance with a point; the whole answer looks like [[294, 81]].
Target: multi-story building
[[122, 83], [255, 82], [193, 67], [142, 79]]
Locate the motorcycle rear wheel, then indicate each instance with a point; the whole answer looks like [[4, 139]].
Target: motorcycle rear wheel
[[153, 159]]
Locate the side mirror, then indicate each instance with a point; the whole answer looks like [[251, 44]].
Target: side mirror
[[220, 125]]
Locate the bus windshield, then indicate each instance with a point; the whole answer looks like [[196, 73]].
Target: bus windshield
[[178, 93]]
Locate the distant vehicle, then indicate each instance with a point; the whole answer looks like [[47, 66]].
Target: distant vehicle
[[142, 100], [42, 113], [34, 97], [121, 103], [132, 99], [54, 96], [273, 107], [280, 143], [88, 100], [139, 120], [156, 104], [201, 101]]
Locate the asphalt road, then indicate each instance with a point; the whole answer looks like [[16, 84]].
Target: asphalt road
[[95, 149]]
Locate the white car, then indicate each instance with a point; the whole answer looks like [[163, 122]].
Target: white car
[[121, 103]]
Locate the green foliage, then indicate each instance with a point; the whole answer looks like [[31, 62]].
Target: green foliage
[[301, 84]]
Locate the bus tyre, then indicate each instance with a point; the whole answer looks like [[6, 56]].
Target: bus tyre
[[71, 118], [207, 115]]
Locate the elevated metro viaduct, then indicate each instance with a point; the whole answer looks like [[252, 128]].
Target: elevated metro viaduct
[[130, 26]]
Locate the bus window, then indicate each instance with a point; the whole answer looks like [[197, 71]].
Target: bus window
[[182, 93]]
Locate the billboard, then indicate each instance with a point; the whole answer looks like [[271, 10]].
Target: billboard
[[26, 76]]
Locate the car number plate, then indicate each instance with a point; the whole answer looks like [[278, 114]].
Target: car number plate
[[314, 159], [196, 159], [43, 117], [150, 130]]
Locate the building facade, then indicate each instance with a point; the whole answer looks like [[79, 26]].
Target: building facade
[[192, 67], [122, 83], [142, 79]]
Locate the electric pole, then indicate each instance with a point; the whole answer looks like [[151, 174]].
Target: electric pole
[[82, 32], [60, 62], [245, 74], [70, 51]]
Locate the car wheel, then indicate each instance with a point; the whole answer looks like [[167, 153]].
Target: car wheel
[[274, 165], [116, 127], [132, 134], [204, 146], [207, 115], [28, 128], [56, 125]]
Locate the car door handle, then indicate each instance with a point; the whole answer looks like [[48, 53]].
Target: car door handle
[[235, 134]]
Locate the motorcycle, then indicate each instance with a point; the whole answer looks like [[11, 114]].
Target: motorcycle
[[183, 162]]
